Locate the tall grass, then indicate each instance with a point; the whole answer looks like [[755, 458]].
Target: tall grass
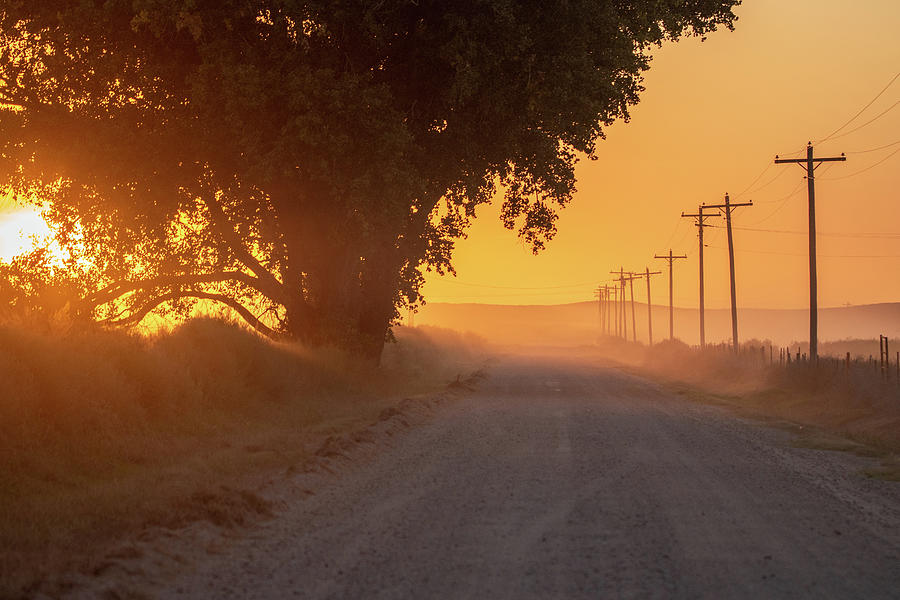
[[856, 401], [103, 431]]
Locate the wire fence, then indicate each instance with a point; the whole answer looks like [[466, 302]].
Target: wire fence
[[878, 370]]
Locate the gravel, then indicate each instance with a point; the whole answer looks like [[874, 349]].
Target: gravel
[[555, 479]]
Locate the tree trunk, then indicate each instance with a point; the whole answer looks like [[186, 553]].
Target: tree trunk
[[379, 287]]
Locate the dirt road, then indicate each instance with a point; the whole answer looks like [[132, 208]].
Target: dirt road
[[556, 481]]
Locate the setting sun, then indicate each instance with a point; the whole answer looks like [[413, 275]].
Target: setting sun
[[17, 229]]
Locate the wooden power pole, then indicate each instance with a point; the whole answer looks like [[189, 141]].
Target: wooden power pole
[[631, 279], [615, 306], [671, 258], [727, 209], [603, 295], [647, 273], [620, 316], [701, 224], [809, 164], [610, 305]]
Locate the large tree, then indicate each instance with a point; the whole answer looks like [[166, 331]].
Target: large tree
[[302, 162]]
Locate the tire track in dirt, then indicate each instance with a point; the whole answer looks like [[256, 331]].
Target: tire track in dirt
[[599, 484]]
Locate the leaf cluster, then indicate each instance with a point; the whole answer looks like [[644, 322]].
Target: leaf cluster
[[315, 148]]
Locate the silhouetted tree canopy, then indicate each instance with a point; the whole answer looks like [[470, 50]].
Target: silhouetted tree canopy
[[303, 162]]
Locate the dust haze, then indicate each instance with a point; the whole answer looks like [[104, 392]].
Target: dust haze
[[854, 390]]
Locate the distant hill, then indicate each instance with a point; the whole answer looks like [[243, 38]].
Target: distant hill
[[578, 323]]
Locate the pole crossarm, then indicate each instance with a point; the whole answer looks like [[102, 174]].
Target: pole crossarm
[[729, 206], [670, 257], [639, 275], [626, 275], [803, 162]]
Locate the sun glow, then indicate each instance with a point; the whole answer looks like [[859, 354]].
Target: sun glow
[[17, 230]]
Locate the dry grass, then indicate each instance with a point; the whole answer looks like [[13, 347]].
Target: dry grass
[[845, 411], [103, 433]]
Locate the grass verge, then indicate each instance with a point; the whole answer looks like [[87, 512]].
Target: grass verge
[[105, 434], [825, 409]]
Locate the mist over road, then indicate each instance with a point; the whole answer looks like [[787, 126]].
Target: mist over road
[[557, 480]]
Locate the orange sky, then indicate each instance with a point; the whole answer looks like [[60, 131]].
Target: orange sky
[[713, 116]]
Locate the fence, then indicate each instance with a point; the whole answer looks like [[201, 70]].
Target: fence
[[828, 368]]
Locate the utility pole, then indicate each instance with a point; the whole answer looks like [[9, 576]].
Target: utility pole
[[615, 294], [602, 293], [809, 164], [609, 290], [631, 279], [621, 314], [647, 274], [701, 224], [609, 305], [605, 310], [726, 210], [622, 281], [671, 259]]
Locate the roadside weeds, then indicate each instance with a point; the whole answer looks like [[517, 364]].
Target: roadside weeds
[[211, 516], [829, 432], [104, 435]]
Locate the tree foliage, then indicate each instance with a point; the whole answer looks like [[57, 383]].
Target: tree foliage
[[303, 161]]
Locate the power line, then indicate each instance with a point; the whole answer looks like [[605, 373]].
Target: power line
[[502, 295], [869, 122], [784, 201], [891, 145], [766, 184], [504, 287], [752, 183], [863, 109], [798, 232], [804, 255], [870, 167], [674, 231], [683, 237]]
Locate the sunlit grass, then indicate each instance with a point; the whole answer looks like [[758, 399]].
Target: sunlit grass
[[104, 432], [826, 408]]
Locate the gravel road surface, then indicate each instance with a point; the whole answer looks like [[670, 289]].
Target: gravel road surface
[[555, 480]]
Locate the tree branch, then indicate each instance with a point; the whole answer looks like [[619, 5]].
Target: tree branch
[[231, 303], [120, 288], [270, 285]]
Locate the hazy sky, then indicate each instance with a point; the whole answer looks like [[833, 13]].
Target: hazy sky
[[712, 118]]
